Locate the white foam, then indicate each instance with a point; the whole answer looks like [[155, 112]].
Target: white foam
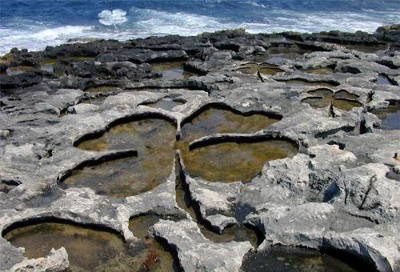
[[38, 39], [115, 17], [162, 23]]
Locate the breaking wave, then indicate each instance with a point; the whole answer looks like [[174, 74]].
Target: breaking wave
[[64, 20]]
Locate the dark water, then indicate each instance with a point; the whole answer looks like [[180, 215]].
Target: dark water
[[289, 259], [390, 117], [34, 24]]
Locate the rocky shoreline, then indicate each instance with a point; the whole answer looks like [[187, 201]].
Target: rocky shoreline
[[333, 97]]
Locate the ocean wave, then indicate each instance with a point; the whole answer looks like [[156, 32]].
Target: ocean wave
[[153, 22], [39, 39]]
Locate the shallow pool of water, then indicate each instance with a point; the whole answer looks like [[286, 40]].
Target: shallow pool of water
[[172, 70], [153, 139], [342, 99], [232, 161], [309, 83], [320, 71], [264, 68], [390, 117], [166, 103], [100, 89], [289, 259], [17, 70], [383, 80], [89, 249], [215, 119]]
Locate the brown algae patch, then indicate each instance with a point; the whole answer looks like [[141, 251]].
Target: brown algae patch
[[342, 99], [232, 161], [88, 249], [152, 138], [172, 70], [215, 119]]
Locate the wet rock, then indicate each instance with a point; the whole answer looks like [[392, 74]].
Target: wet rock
[[390, 32], [22, 80]]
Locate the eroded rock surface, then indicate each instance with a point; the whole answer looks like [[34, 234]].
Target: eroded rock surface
[[331, 184]]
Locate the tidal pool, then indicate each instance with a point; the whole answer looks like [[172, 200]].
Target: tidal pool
[[156, 257], [290, 259], [167, 103], [320, 71], [89, 249], [235, 161], [383, 80], [172, 70], [264, 68], [218, 119], [152, 138], [100, 89], [342, 99], [309, 83], [379, 49], [390, 116], [17, 70]]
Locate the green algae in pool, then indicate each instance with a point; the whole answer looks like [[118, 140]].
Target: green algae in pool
[[88, 249], [231, 161], [154, 141], [213, 120], [172, 70], [342, 99], [390, 116], [289, 259]]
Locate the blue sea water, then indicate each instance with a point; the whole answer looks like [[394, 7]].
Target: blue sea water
[[34, 24]]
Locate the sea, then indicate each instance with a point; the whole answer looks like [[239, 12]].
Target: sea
[[35, 24]]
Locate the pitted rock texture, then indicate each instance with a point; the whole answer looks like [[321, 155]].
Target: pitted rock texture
[[339, 192]]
